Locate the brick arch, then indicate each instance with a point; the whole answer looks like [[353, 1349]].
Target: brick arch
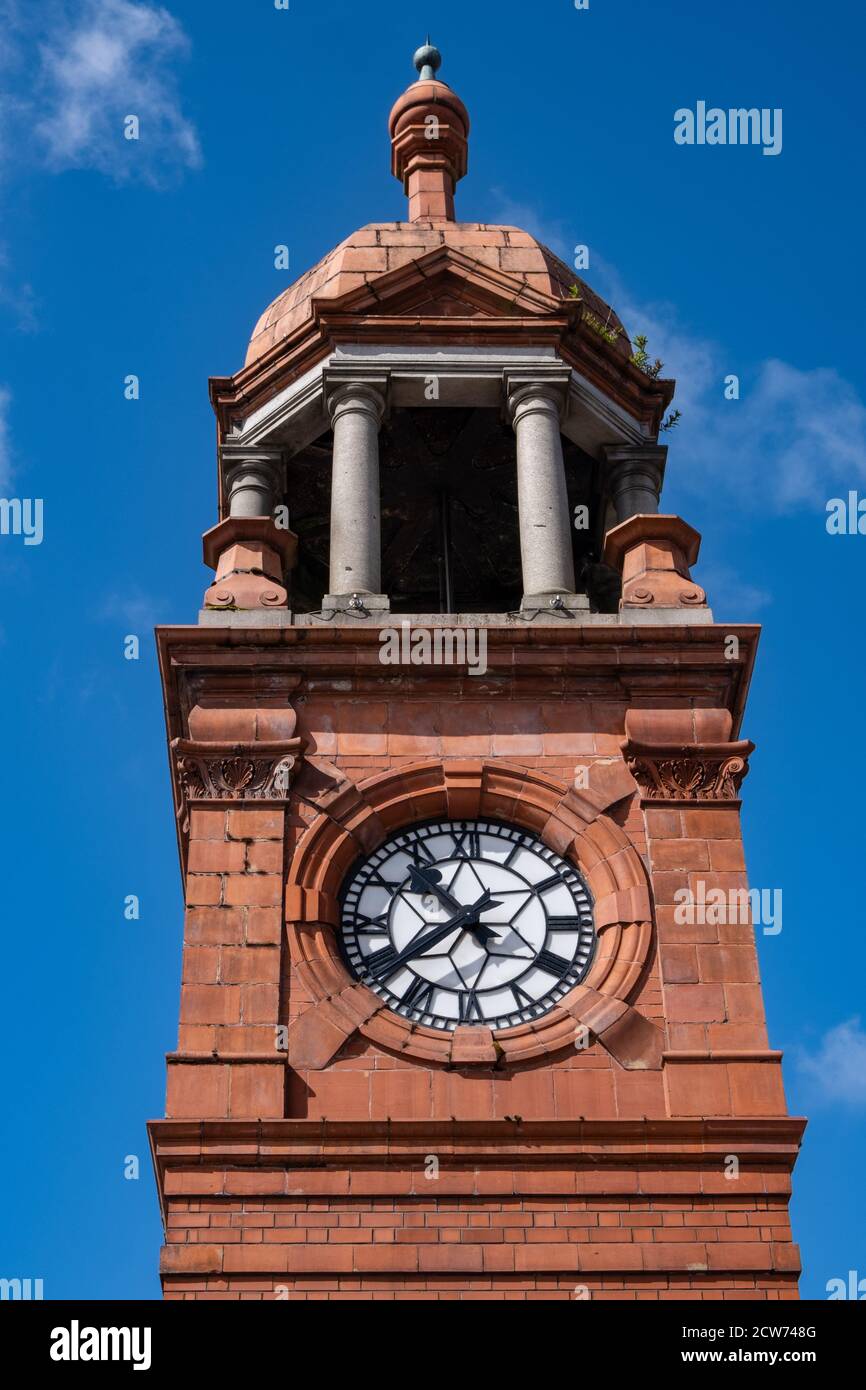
[[355, 819]]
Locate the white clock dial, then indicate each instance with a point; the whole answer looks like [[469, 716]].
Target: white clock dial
[[467, 922]]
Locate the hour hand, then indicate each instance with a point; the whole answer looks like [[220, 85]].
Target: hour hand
[[430, 881]]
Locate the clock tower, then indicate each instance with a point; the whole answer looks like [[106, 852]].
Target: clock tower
[[470, 1002]]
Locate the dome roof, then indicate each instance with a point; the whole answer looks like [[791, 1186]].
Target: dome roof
[[381, 247]]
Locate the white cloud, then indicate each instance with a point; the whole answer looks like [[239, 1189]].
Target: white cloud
[[510, 213], [138, 611], [731, 596], [796, 436], [91, 68], [838, 1068]]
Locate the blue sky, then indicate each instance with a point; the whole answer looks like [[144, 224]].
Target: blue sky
[[155, 258]]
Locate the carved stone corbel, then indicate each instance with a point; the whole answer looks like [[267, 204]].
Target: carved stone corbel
[[696, 772], [214, 773]]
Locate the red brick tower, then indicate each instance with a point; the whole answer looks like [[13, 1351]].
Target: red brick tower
[[451, 1024]]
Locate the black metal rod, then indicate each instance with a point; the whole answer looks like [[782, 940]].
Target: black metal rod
[[445, 532]]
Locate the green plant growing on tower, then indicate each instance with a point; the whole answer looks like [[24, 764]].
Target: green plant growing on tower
[[641, 358]]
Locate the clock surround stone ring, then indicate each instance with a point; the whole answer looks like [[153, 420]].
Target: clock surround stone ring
[[358, 819]]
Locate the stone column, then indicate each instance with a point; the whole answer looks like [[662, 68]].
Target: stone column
[[253, 480], [356, 410], [635, 474], [250, 553], [542, 499]]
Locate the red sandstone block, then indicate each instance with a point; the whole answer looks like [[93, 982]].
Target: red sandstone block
[[680, 854], [737, 1036], [250, 965], [384, 1259], [464, 1259], [786, 1257], [257, 1092], [210, 1004], [255, 890], [203, 890], [727, 856], [264, 926], [195, 1037], [744, 1003], [756, 1088], [663, 824], [695, 1003], [748, 1255], [201, 965], [265, 857], [690, 1255], [404, 1095], [339, 1095], [196, 1091], [215, 856], [190, 1259], [710, 822], [214, 926], [639, 1094], [256, 825], [734, 964], [698, 1089], [259, 1003], [679, 964], [206, 825], [581, 1094]]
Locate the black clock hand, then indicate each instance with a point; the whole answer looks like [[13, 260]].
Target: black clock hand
[[425, 882], [391, 960], [428, 882]]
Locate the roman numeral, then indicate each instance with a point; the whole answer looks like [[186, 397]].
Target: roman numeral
[[553, 964], [467, 845], [546, 883], [419, 995], [376, 880], [563, 924], [373, 926], [381, 963], [420, 853], [521, 998], [470, 1009]]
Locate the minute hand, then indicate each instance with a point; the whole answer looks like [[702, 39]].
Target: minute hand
[[428, 882], [463, 918]]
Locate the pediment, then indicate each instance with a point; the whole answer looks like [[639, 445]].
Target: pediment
[[444, 283]]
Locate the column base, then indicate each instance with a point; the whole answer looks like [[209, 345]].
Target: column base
[[364, 605], [555, 603], [250, 555]]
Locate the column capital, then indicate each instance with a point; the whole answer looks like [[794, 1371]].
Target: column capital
[[635, 475], [545, 390], [252, 478], [348, 389]]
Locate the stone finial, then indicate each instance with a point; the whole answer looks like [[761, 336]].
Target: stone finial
[[429, 128], [428, 61]]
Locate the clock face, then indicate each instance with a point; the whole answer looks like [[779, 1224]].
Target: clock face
[[467, 922]]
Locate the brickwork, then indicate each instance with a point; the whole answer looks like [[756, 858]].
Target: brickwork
[[604, 1169]]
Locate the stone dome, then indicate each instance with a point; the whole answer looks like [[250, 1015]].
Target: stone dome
[[381, 247]]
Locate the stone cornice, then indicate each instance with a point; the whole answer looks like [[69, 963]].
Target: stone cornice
[[501, 308], [366, 1143]]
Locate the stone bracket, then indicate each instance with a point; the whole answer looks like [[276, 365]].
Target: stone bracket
[[214, 774], [689, 772]]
